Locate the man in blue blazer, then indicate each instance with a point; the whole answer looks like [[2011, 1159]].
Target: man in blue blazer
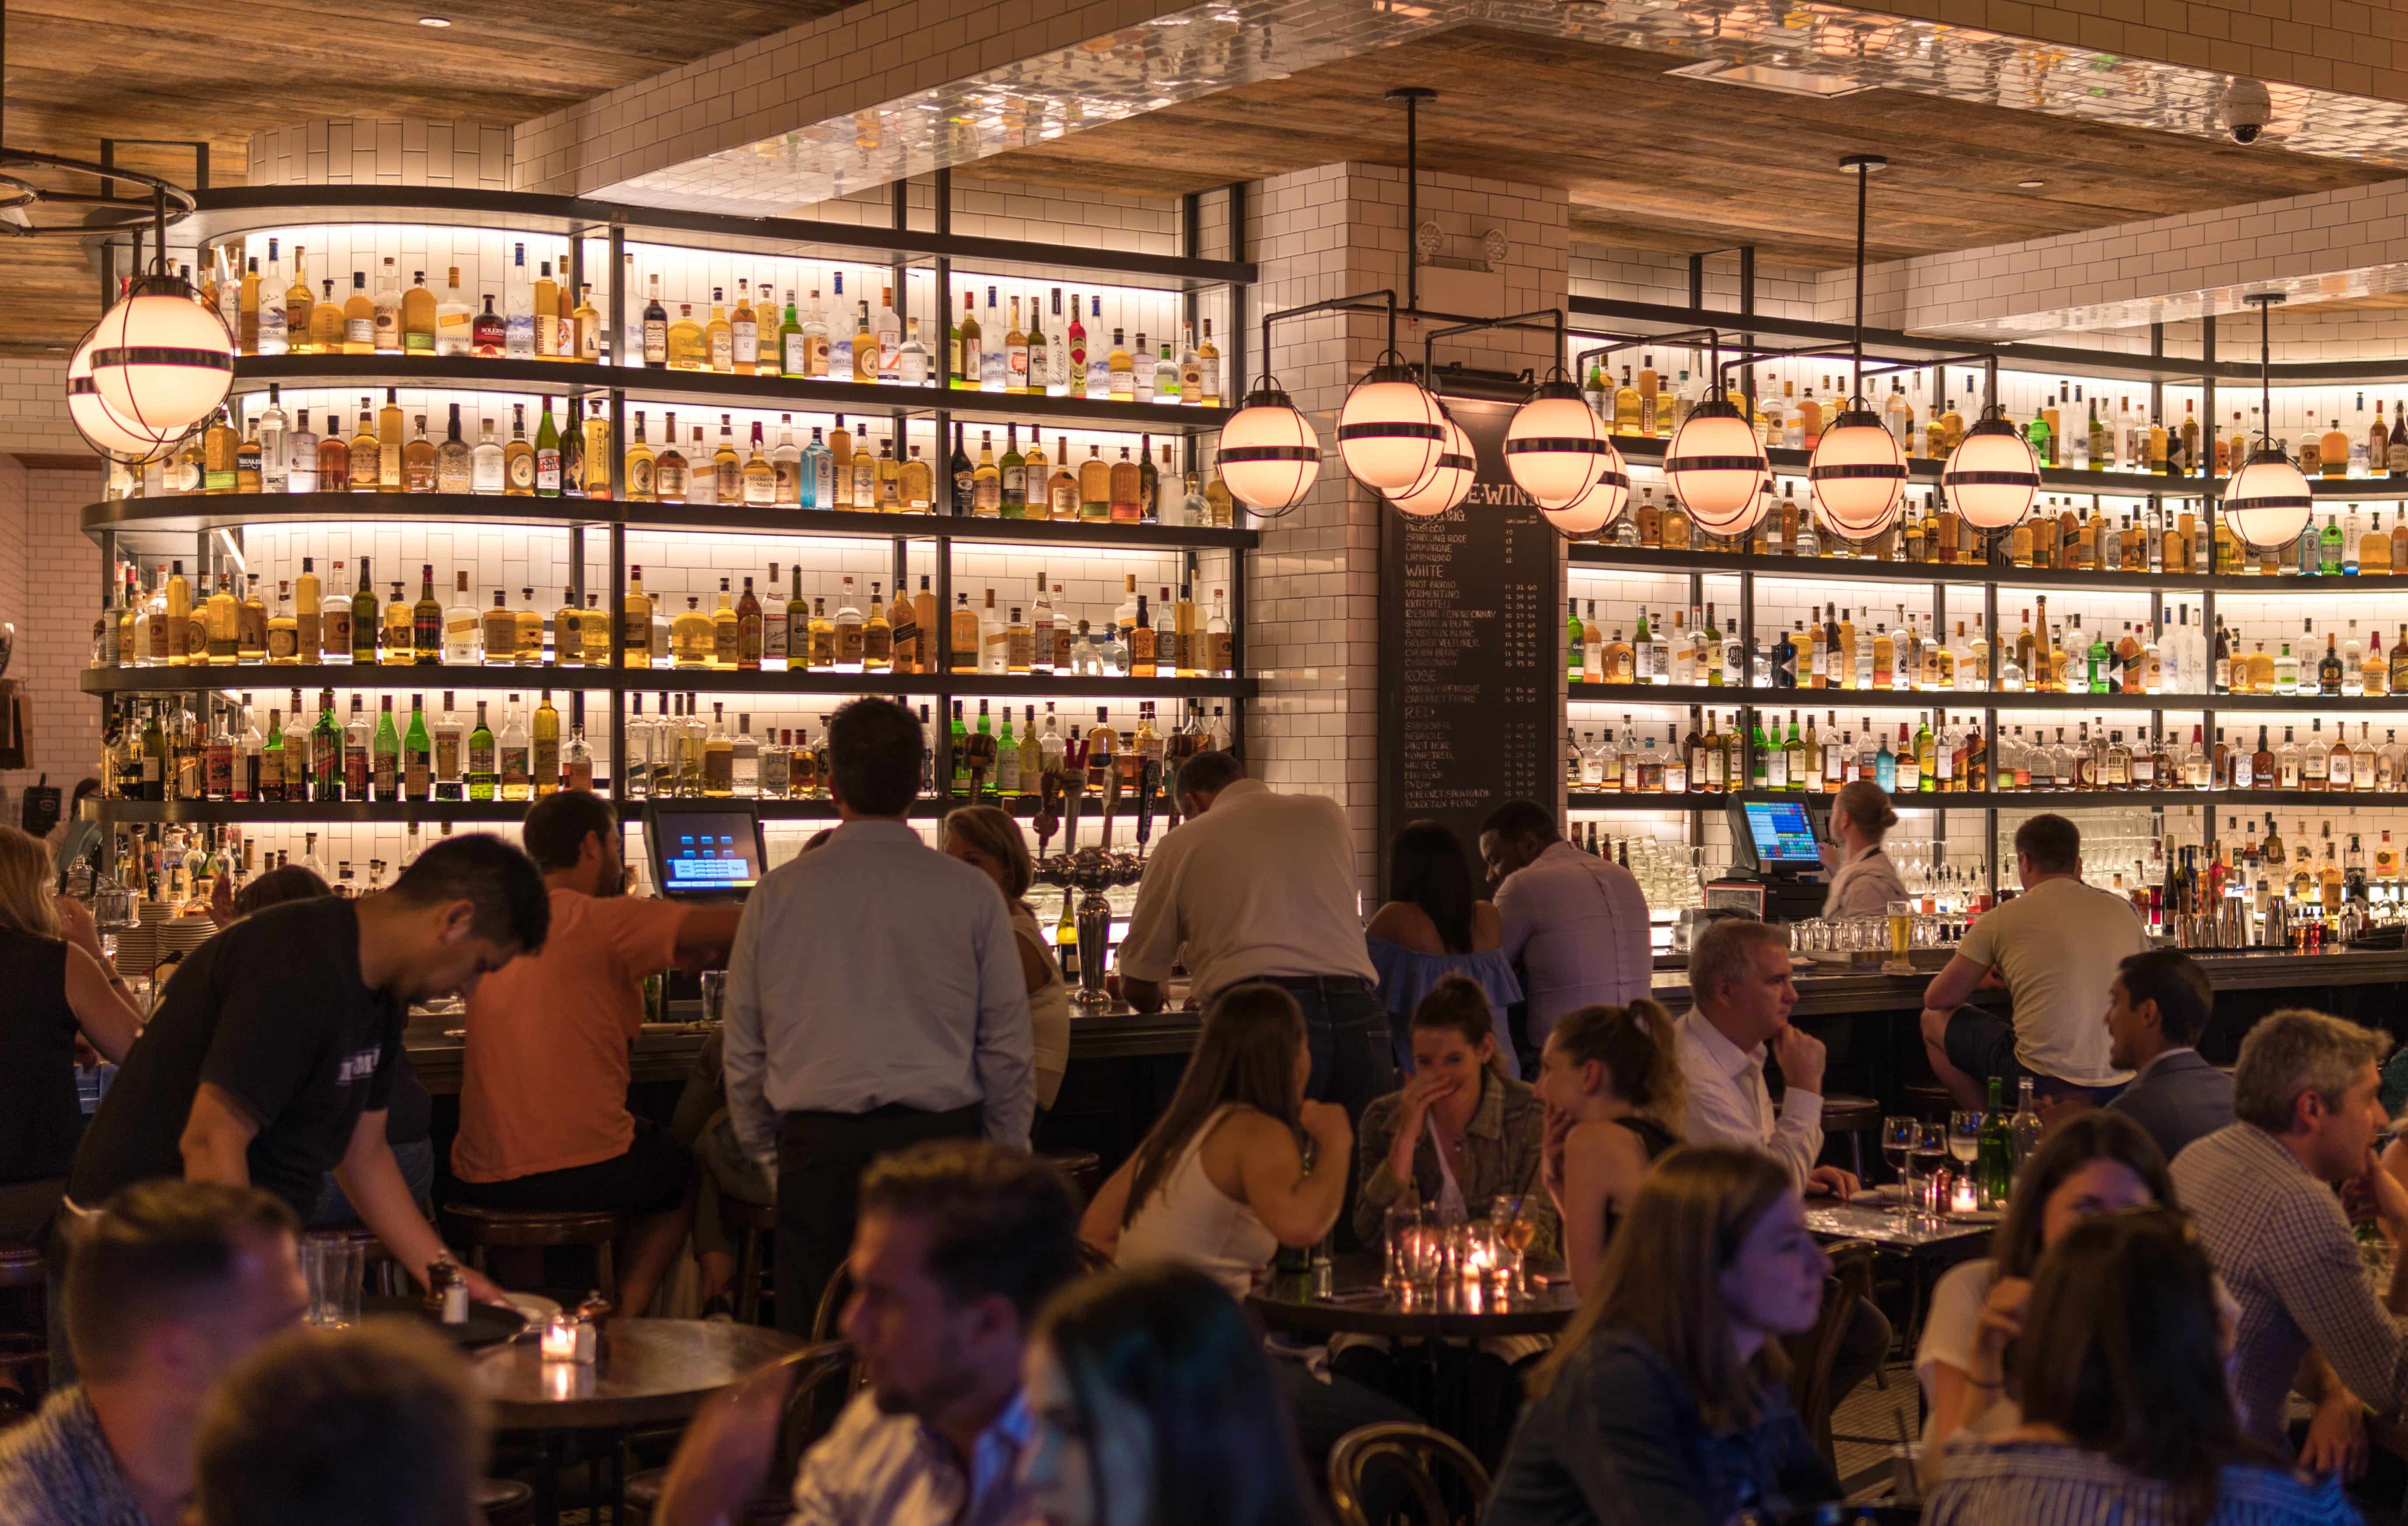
[[2158, 1005]]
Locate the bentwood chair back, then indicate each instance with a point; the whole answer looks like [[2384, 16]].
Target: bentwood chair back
[[1812, 1355], [819, 1381], [1397, 1471]]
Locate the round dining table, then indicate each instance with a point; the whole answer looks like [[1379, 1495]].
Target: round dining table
[[1433, 1334], [647, 1372]]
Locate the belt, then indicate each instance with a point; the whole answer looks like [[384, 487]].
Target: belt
[[1318, 985]]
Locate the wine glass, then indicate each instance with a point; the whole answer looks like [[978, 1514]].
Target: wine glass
[[1516, 1226], [1931, 1148], [1965, 1135], [1898, 1147]]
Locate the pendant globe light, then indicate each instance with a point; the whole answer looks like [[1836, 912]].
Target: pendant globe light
[[1447, 483], [97, 422], [1270, 456], [2268, 503], [1858, 472], [1716, 467], [1991, 478], [1557, 446], [1603, 502], [1391, 429], [160, 360]]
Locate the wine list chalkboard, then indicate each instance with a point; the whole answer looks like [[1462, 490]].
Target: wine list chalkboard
[[1469, 667]]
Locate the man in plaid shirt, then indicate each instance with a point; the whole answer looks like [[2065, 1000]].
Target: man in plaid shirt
[[2261, 1192]]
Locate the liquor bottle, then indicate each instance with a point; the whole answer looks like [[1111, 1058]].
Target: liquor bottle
[[515, 754], [1994, 1163], [544, 748]]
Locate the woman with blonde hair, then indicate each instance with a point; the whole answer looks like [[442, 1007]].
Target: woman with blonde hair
[[61, 987], [1664, 1401], [989, 840], [1863, 881], [1610, 1080]]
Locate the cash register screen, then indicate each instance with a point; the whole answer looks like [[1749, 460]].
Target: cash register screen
[[706, 852], [1781, 833]]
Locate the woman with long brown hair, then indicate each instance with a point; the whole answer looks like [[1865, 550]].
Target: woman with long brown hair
[[1662, 1401], [1221, 1182], [1610, 1080], [60, 988], [2126, 1414]]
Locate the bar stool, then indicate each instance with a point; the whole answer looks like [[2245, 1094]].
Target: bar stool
[[1085, 1168], [1928, 1101], [479, 1229], [754, 1225], [1855, 1117], [506, 1502]]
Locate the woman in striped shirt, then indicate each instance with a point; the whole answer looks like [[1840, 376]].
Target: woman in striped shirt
[[2127, 1416]]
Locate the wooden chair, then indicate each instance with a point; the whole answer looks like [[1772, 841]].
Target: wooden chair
[[1444, 1483], [1812, 1354], [478, 1230], [1085, 1168], [754, 1228], [819, 1381]]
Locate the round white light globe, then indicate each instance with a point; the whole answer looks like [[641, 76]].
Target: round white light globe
[[1716, 464], [1603, 503], [161, 361], [1991, 477], [1555, 445], [1390, 430], [1858, 472], [1447, 483], [99, 423], [1270, 456], [2268, 503]]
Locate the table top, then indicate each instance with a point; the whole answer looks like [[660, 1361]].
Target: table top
[[1868, 1216], [1360, 1306], [650, 1371]]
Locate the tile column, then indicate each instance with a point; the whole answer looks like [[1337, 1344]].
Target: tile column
[[1312, 626]]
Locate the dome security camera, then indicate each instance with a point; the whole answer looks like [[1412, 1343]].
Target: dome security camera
[[2247, 108]]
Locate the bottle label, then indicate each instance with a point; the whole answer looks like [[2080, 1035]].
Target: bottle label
[[796, 361], [547, 470], [360, 331], [547, 761], [522, 471]]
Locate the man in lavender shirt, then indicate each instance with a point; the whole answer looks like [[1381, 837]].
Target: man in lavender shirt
[[1574, 924]]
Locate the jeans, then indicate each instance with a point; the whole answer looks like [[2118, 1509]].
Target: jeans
[[1347, 1032], [333, 1211]]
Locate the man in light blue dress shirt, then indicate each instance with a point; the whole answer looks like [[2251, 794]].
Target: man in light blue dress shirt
[[874, 999]]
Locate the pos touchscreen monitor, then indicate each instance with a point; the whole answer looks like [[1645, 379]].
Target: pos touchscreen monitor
[[1780, 835], [704, 850]]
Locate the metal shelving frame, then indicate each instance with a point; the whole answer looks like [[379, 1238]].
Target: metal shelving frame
[[225, 212]]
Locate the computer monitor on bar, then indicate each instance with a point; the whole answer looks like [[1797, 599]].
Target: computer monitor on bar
[[705, 850]]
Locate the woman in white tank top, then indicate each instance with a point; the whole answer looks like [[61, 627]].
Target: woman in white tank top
[[991, 841], [1220, 1184]]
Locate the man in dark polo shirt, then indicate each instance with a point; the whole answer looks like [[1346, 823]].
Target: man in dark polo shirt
[[270, 1058]]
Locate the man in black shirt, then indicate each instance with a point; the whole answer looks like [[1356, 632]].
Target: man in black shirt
[[270, 1058]]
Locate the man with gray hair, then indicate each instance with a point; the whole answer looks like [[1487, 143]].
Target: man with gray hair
[[2261, 1193], [1739, 995]]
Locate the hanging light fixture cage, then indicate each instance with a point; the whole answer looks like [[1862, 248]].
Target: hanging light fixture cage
[[1992, 477], [2268, 503], [1449, 480], [160, 361], [1270, 456], [1391, 429], [1555, 446], [1858, 472], [1606, 501], [1716, 467]]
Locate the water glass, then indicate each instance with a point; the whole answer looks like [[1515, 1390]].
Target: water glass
[[1424, 1256], [332, 1264], [1397, 1227], [1898, 1134], [714, 997], [1965, 1137]]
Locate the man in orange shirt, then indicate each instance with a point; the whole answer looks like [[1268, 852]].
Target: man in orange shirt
[[543, 1102]]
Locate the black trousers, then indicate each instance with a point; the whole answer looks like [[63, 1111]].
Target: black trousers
[[821, 1157]]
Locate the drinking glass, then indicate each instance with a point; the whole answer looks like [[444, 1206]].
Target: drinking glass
[[332, 1265], [1931, 1148], [1424, 1256], [1898, 1139], [1515, 1224], [1965, 1136], [1402, 1219], [1901, 919]]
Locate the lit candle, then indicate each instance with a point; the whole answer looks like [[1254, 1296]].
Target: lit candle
[[1963, 1200], [560, 1338]]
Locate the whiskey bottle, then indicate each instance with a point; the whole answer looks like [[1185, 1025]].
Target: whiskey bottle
[[517, 772]]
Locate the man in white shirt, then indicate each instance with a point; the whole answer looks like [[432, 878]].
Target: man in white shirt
[[874, 999], [2058, 947], [1574, 924], [1741, 996], [1258, 886], [959, 1244]]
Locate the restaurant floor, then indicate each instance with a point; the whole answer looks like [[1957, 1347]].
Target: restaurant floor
[[1867, 1423]]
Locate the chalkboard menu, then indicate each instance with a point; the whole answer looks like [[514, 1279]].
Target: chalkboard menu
[[1469, 663]]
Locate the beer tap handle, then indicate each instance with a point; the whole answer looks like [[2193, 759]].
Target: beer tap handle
[[978, 779], [1149, 780], [1048, 809], [1111, 806], [1074, 794]]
